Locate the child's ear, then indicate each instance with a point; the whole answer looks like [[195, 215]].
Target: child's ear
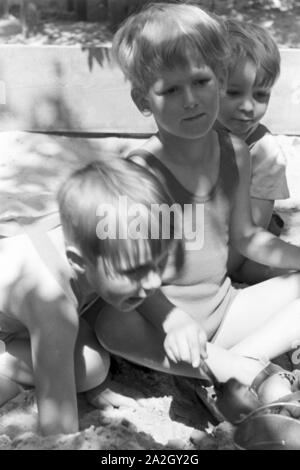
[[140, 101], [75, 259]]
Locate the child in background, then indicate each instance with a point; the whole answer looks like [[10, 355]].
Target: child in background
[[48, 280], [175, 56], [254, 67]]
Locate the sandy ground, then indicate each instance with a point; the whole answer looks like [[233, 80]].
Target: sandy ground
[[162, 414], [160, 418]]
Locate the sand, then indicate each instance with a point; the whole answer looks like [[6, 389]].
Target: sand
[[159, 418]]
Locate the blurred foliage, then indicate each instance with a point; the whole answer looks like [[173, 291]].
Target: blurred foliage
[[57, 21], [118, 10], [115, 11], [96, 55]]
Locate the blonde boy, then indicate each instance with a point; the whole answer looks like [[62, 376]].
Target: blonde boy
[[50, 278]]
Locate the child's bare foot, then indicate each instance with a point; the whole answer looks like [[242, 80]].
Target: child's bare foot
[[8, 389], [277, 386], [236, 401], [111, 394]]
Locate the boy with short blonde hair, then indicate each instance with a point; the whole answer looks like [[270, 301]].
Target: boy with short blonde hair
[[49, 280]]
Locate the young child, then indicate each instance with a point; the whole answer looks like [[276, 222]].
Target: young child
[[175, 56], [48, 280], [254, 67]]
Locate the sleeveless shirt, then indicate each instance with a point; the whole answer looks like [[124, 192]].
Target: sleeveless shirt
[[202, 287]]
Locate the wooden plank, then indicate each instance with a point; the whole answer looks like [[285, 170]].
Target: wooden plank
[[76, 89], [66, 89]]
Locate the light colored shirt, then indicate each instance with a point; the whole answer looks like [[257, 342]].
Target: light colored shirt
[[269, 179]]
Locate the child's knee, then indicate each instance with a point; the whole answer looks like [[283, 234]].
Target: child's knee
[[8, 389], [98, 368], [97, 363]]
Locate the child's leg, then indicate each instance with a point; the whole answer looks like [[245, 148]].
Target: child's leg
[[8, 389], [15, 362], [91, 364], [15, 369], [254, 273], [132, 337], [91, 360], [91, 369], [263, 320]]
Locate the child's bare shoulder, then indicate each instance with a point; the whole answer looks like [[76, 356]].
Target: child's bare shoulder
[[28, 276]]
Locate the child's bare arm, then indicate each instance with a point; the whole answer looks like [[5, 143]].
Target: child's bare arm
[[262, 210], [242, 269], [185, 338], [252, 241], [245, 270], [53, 328]]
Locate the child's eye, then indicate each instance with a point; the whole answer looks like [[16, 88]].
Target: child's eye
[[135, 273], [201, 81], [232, 92], [170, 91], [262, 96]]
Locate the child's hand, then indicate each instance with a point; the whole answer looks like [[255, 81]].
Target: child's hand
[[186, 342]]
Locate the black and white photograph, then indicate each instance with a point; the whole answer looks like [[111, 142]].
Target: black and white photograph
[[149, 227]]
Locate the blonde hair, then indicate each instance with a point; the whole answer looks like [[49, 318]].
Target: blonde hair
[[251, 41], [163, 36], [103, 182]]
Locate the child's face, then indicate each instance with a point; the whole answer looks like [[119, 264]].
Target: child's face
[[126, 288], [185, 101], [244, 103]]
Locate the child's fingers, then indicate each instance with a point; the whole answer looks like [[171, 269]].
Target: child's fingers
[[194, 350], [188, 346], [171, 350], [177, 348], [202, 342], [185, 349], [171, 355]]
